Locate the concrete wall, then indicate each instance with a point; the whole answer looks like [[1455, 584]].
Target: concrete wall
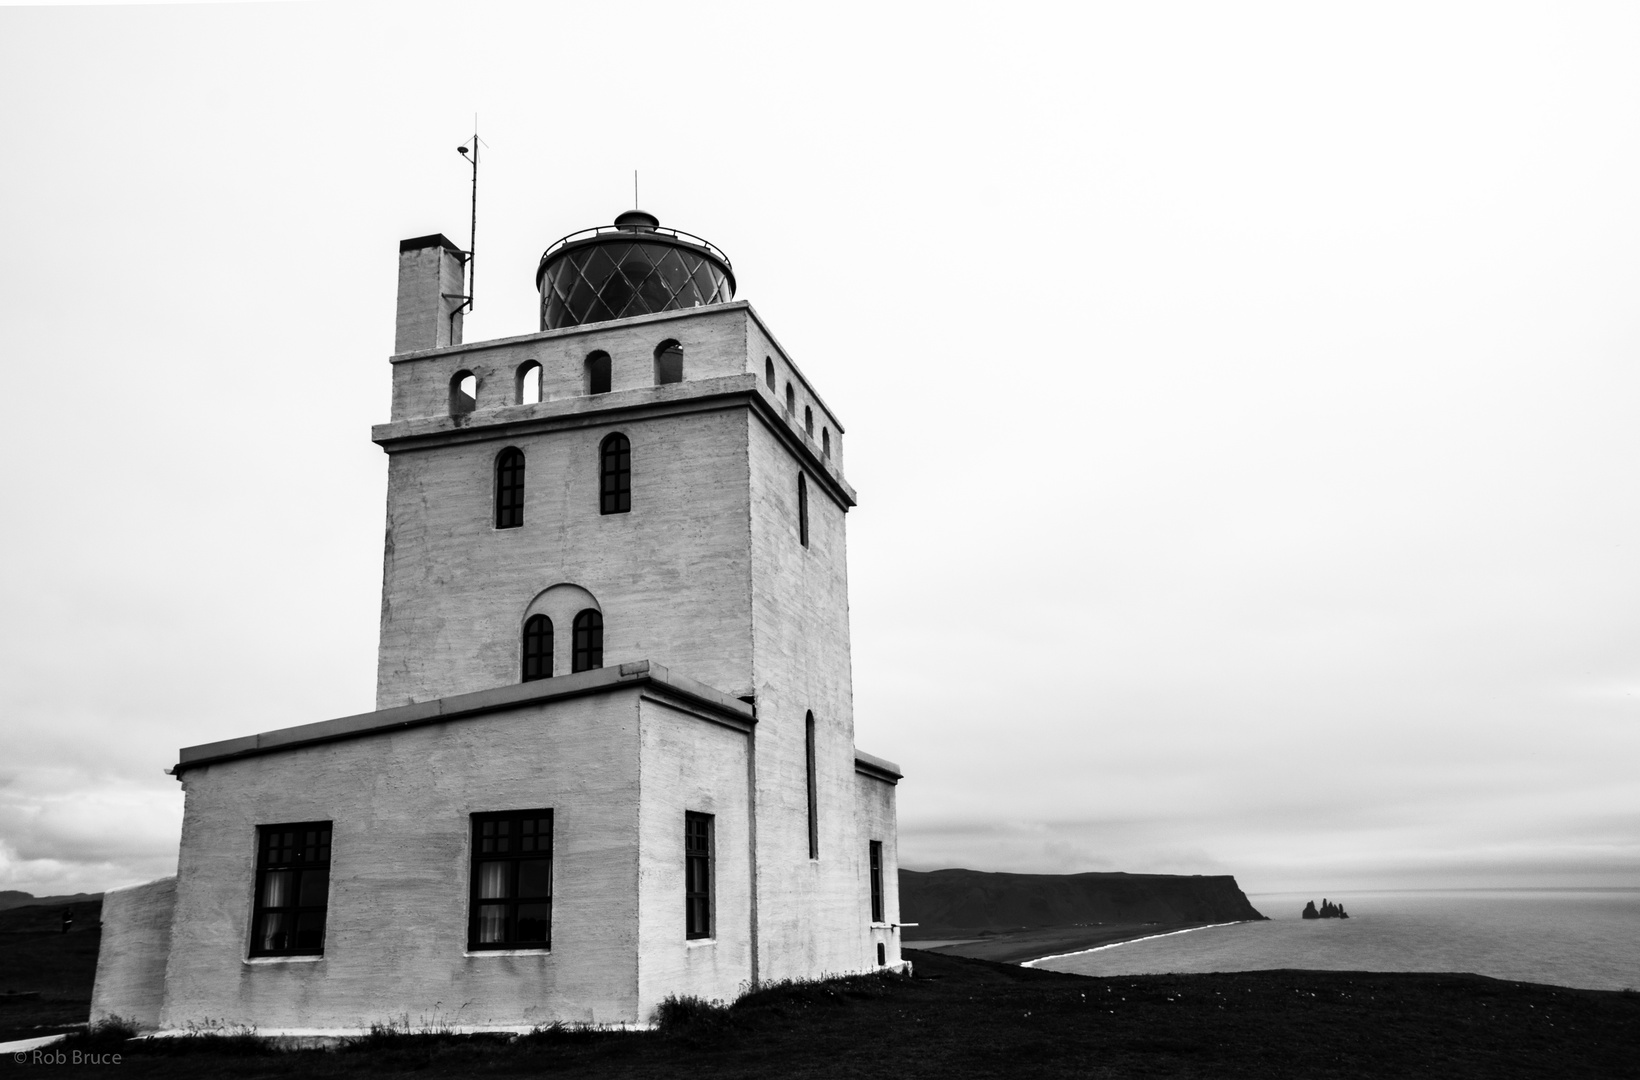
[[693, 764], [876, 813], [136, 942], [809, 919], [672, 576], [396, 933]]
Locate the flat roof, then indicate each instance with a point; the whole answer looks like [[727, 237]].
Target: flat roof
[[638, 674], [881, 768]]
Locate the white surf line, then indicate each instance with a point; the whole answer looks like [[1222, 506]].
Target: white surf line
[[1129, 941]]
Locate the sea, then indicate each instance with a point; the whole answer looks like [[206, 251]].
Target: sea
[[1586, 938]]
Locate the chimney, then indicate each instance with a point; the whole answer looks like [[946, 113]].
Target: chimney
[[431, 294]]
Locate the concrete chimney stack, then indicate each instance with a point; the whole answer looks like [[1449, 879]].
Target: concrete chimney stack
[[432, 291]]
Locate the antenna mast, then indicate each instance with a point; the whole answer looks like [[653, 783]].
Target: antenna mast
[[472, 226]]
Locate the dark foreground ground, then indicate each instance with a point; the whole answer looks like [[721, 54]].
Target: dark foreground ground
[[971, 1018]]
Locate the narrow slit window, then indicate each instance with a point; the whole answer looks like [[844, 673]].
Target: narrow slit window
[[808, 421], [814, 794], [292, 889], [768, 371], [511, 881], [537, 648], [876, 857], [697, 872], [529, 383], [615, 475], [802, 510], [669, 362], [509, 488], [598, 373], [589, 641], [825, 442], [791, 399]]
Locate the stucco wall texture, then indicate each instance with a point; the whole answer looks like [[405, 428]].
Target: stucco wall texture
[[136, 942], [400, 804]]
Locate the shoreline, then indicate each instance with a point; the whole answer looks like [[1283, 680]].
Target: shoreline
[[1028, 946], [1128, 941]]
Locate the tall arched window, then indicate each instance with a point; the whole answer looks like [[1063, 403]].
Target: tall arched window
[[808, 421], [668, 362], [615, 475], [528, 388], [791, 399], [814, 793], [589, 641], [802, 510], [598, 373], [463, 393], [768, 371], [537, 648], [509, 488]]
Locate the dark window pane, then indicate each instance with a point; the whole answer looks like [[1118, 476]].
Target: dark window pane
[[589, 641], [533, 921], [276, 932], [310, 931], [537, 649], [492, 923], [535, 878], [315, 887]]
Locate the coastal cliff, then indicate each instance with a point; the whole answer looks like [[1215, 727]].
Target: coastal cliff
[[955, 903]]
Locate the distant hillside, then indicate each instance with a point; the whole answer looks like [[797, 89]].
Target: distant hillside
[[10, 898], [952, 903]]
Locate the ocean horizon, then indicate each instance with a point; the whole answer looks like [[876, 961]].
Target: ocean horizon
[[1586, 938]]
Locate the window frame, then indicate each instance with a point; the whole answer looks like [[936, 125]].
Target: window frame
[[585, 654], [874, 860], [513, 858], [301, 866], [509, 489], [802, 510], [538, 626], [699, 868], [615, 474], [813, 786]]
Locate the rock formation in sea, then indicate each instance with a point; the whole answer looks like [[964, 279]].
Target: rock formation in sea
[[1329, 910]]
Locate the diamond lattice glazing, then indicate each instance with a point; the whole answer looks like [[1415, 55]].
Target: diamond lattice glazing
[[617, 279]]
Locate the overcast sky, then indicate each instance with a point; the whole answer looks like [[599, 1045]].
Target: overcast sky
[[1242, 398]]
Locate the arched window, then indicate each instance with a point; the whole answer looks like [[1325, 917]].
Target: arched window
[[463, 393], [615, 475], [537, 648], [808, 421], [589, 641], [598, 373], [825, 442], [528, 383], [814, 794], [802, 510], [509, 488], [791, 399], [668, 362], [768, 371]]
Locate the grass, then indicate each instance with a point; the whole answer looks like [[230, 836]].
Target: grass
[[969, 1018]]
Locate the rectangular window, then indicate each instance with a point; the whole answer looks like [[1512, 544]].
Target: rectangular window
[[292, 889], [697, 873], [511, 906], [876, 880]]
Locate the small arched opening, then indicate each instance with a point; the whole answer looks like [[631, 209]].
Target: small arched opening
[[527, 383], [599, 372], [668, 362], [463, 393]]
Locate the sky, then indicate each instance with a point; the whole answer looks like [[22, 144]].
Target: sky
[[1242, 398]]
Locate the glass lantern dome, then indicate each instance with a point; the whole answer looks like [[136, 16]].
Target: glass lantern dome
[[633, 267]]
